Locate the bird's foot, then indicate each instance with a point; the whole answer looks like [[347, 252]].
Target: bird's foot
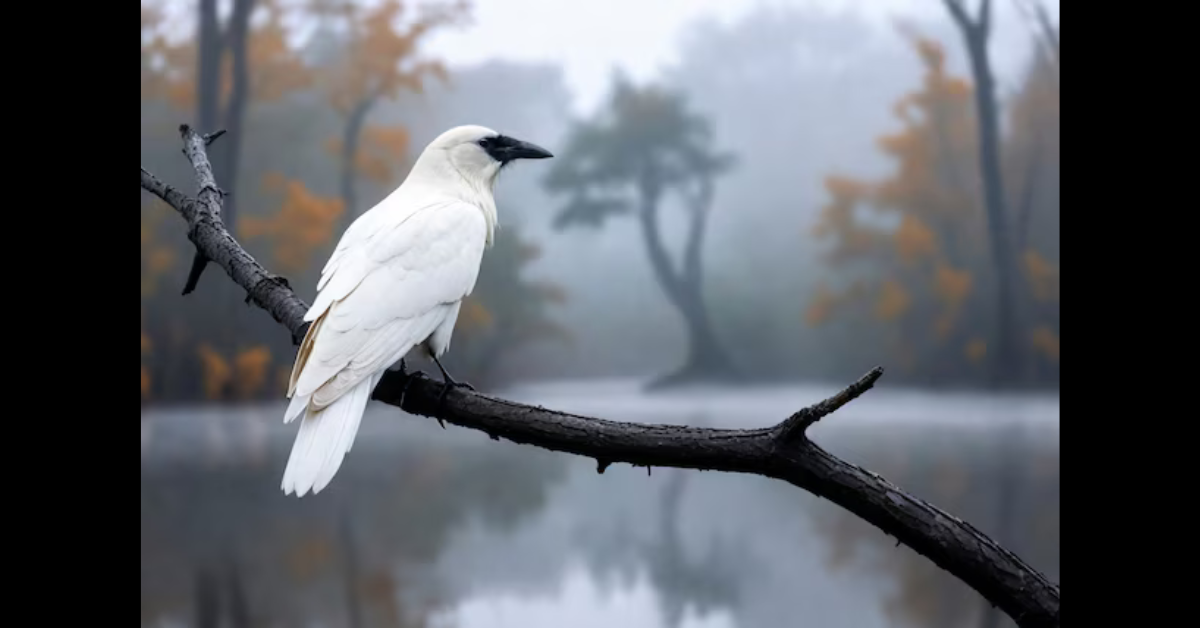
[[409, 378]]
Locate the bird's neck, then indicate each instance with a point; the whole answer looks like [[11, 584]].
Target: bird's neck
[[442, 175]]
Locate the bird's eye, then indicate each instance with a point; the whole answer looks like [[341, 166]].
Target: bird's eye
[[485, 143]]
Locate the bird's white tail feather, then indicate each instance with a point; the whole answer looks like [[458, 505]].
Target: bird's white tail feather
[[296, 407], [324, 438]]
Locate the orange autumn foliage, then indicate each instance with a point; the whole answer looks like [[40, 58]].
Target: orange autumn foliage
[[914, 240], [381, 59], [215, 371], [274, 67], [246, 373], [929, 276], [377, 55], [382, 149], [893, 301], [303, 224], [251, 366]]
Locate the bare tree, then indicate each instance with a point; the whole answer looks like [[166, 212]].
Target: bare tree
[[645, 145], [782, 451], [975, 32]]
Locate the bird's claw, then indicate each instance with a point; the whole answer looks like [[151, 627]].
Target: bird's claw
[[409, 378]]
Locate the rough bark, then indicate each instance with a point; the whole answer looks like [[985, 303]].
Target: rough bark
[[782, 451]]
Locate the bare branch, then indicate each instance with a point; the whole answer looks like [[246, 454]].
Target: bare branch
[[208, 233], [1044, 33], [782, 451], [795, 426], [959, 13]]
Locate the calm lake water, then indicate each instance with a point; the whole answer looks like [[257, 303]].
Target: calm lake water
[[439, 528]]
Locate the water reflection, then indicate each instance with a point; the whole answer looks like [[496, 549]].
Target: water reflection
[[432, 527]]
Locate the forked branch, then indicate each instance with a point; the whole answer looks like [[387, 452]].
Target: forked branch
[[782, 451]]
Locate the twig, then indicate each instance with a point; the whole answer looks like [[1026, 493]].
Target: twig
[[796, 425], [782, 451]]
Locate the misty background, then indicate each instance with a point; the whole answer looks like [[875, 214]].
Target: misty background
[[828, 156]]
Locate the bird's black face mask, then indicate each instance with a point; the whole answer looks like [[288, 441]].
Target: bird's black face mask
[[506, 150]]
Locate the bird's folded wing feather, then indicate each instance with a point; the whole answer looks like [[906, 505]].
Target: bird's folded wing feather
[[385, 289]]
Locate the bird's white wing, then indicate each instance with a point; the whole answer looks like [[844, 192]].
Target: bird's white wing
[[386, 289]]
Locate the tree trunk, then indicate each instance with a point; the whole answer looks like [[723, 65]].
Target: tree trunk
[[235, 110], [706, 358], [350, 141], [1004, 350], [208, 72]]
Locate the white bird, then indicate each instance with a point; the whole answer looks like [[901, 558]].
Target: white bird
[[395, 281]]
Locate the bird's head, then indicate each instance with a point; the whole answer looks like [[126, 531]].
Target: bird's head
[[479, 153]]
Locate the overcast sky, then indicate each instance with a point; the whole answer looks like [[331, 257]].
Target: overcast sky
[[590, 37]]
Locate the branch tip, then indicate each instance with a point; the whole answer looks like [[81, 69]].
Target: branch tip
[[795, 426]]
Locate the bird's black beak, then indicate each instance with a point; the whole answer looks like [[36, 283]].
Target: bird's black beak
[[507, 149]]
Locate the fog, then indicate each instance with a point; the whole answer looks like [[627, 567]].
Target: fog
[[832, 213]]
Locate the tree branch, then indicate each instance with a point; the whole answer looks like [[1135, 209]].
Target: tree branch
[[959, 12], [207, 232], [782, 451]]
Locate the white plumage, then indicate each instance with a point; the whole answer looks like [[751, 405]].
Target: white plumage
[[396, 280]]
